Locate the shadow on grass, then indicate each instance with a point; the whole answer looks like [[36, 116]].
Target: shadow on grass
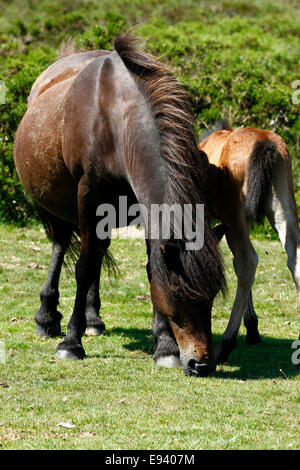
[[142, 339], [271, 359]]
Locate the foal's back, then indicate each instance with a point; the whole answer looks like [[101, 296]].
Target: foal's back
[[232, 149], [235, 154]]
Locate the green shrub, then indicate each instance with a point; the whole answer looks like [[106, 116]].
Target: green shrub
[[235, 59]]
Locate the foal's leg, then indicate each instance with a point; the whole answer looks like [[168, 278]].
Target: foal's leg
[[251, 323], [48, 317], [86, 274], [244, 262], [94, 324], [166, 352], [283, 216]]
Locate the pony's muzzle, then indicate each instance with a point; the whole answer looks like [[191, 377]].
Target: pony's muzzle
[[200, 369]]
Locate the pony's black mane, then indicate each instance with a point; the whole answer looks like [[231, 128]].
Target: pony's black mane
[[201, 273]]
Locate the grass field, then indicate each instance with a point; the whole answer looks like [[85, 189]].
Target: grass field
[[117, 398]]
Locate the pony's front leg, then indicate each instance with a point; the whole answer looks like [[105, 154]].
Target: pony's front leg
[[86, 272], [166, 352]]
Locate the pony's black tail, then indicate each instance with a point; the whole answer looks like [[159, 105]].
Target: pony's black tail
[[73, 250], [259, 179]]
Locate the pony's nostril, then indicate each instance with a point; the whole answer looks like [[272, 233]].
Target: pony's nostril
[[204, 369], [191, 364]]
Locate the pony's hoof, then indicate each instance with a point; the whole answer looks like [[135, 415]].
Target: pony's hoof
[[94, 324], [168, 361], [48, 331], [93, 331], [75, 353], [64, 354]]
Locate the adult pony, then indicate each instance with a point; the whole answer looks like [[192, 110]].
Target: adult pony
[[100, 125], [249, 177]]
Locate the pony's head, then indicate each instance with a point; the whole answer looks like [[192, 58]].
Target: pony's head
[[184, 284]]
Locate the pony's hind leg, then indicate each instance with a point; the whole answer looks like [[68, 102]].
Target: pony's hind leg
[[251, 323], [94, 324], [48, 317]]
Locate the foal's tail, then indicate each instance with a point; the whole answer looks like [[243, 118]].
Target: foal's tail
[[259, 178]]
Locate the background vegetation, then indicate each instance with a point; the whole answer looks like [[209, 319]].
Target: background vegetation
[[236, 58]]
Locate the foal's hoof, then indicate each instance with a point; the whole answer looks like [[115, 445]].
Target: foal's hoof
[[168, 361], [93, 331], [48, 331], [75, 353]]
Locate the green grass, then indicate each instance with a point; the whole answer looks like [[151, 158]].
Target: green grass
[[117, 398]]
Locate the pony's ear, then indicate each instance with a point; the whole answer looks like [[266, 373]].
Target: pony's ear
[[219, 231]]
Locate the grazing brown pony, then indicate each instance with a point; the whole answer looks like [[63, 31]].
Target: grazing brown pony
[[249, 177], [101, 125]]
